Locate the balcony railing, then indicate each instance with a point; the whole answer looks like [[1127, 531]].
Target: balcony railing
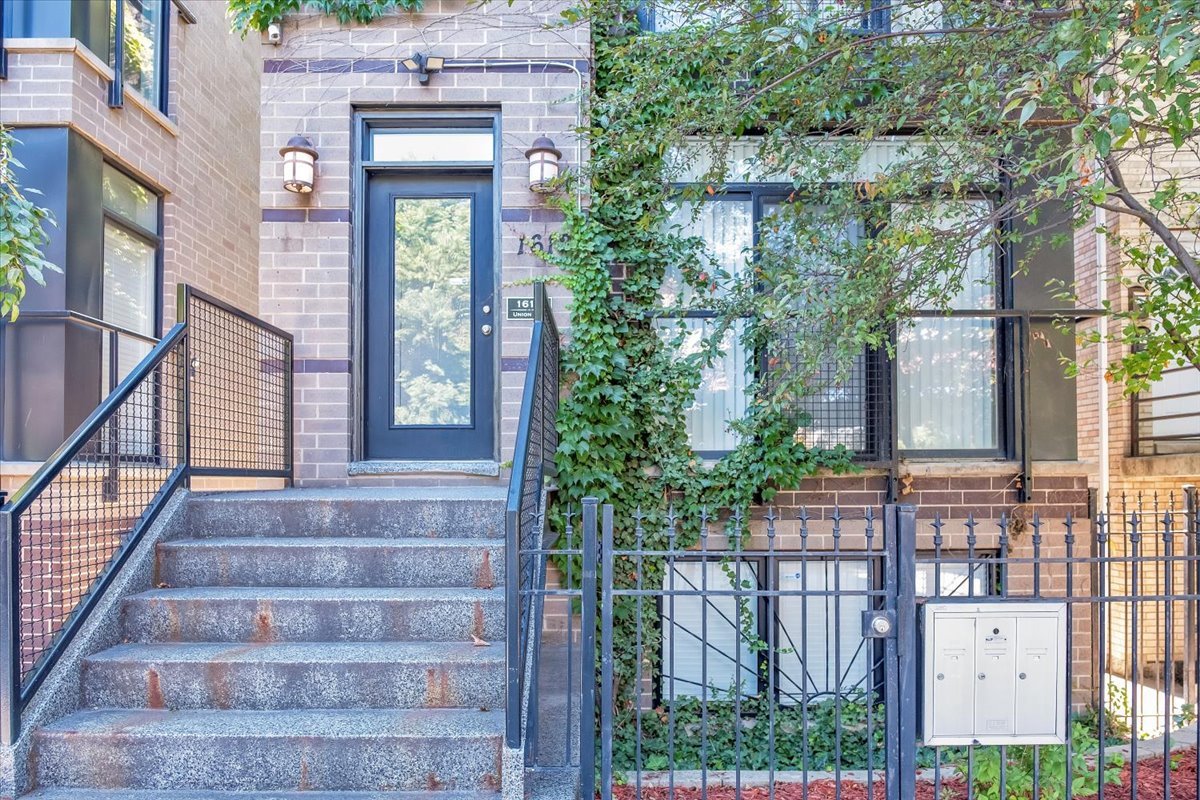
[[1166, 419]]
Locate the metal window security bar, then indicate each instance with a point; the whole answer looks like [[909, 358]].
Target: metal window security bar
[[1166, 417], [895, 654], [213, 397]]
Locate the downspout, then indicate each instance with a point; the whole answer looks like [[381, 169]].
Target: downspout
[[1102, 354]]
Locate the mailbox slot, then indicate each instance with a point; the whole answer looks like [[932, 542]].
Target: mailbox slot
[[995, 673]]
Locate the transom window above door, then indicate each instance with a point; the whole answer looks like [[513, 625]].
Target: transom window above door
[[431, 146]]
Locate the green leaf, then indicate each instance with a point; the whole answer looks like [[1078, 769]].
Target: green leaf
[[1027, 111]]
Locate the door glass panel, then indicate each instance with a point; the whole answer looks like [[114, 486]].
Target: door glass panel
[[437, 146], [431, 326]]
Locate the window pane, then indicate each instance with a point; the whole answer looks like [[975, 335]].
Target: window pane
[[831, 409], [950, 580], [946, 366], [129, 278], [143, 38], [130, 199], [700, 637], [431, 146], [721, 398], [727, 228], [826, 629], [432, 322], [946, 392]]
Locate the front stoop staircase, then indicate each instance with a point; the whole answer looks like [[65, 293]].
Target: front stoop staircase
[[304, 643]]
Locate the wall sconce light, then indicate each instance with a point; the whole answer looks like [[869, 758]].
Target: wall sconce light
[[299, 165], [423, 65], [543, 165]]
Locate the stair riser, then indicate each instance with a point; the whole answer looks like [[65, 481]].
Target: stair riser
[[253, 763], [458, 518], [332, 565], [273, 686], [312, 620]]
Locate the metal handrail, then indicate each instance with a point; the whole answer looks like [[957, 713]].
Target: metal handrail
[[533, 463], [67, 315], [20, 680]]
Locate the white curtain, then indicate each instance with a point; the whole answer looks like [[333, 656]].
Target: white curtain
[[727, 227]]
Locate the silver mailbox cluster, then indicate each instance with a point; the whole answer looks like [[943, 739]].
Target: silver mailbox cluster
[[995, 673]]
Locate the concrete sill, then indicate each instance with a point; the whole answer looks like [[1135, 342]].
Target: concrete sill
[[489, 469]]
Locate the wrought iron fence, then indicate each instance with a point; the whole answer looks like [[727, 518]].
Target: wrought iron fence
[[69, 529], [782, 654], [533, 695]]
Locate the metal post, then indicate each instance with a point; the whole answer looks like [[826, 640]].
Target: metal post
[[587, 659], [182, 298], [1191, 660], [1025, 490], [111, 486], [906, 644], [606, 652], [116, 87], [10, 648]]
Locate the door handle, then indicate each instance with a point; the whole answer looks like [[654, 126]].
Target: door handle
[[486, 330]]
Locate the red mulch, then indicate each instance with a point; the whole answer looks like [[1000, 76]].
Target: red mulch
[[1150, 787]]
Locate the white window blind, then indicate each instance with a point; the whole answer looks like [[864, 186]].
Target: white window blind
[[700, 637], [823, 633], [946, 366]]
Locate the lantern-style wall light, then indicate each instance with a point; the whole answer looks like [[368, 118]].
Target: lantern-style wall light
[[543, 164], [299, 165]]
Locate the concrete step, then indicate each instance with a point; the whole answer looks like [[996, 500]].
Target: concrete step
[[310, 751], [158, 794], [265, 677], [331, 561], [471, 512], [275, 614]]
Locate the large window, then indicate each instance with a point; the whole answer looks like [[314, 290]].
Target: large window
[[947, 369], [144, 38]]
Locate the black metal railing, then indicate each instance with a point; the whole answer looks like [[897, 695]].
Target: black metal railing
[[789, 651], [1166, 418], [858, 407], [530, 657], [198, 403]]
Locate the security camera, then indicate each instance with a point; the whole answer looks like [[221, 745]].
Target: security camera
[[274, 33]]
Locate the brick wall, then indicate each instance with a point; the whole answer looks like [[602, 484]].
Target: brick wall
[[311, 84], [203, 157]]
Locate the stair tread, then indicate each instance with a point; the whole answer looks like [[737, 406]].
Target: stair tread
[[201, 794], [402, 652], [399, 542], [340, 593], [329, 724]]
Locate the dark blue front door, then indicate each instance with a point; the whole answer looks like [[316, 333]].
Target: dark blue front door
[[429, 383]]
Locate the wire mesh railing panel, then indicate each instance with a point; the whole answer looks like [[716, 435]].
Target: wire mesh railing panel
[[241, 391], [67, 536]]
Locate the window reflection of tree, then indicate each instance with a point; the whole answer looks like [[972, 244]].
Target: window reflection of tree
[[142, 32], [432, 333]]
